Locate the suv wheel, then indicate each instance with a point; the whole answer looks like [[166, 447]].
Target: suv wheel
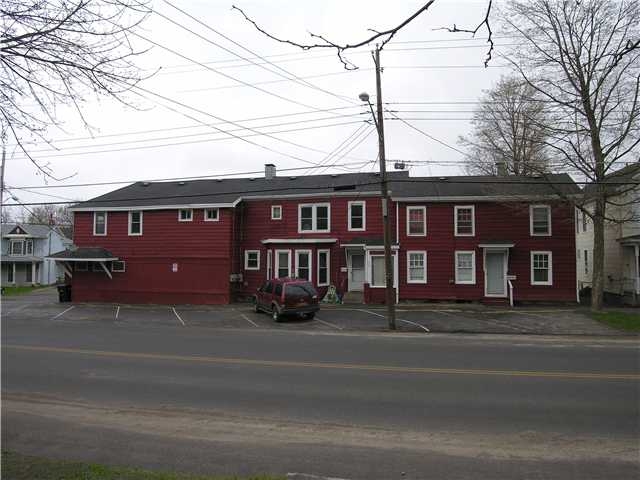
[[256, 307], [275, 313]]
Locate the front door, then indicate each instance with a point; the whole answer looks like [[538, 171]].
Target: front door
[[495, 274], [356, 272]]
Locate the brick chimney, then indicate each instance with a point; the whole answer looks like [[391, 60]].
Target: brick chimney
[[269, 171]]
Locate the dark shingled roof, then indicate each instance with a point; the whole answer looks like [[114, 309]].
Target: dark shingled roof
[[485, 186], [624, 175], [229, 190], [83, 253]]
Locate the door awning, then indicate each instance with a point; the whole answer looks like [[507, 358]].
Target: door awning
[[497, 244], [84, 254]]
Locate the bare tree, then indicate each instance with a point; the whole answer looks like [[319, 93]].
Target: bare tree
[[508, 132], [55, 53], [582, 58], [50, 214]]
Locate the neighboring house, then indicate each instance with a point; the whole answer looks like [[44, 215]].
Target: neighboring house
[[215, 241], [621, 238], [24, 251]]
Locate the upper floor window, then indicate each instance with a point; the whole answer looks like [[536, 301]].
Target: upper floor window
[[99, 223], [135, 223], [21, 247], [357, 216], [416, 221], [185, 215], [276, 212], [211, 215], [313, 217], [464, 220], [540, 220], [584, 221], [252, 260], [541, 268]]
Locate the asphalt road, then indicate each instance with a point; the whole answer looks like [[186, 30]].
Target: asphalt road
[[357, 405]]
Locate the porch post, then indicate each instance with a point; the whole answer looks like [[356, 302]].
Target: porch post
[[636, 249], [13, 266], [33, 273]]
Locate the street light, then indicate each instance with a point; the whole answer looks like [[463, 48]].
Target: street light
[[388, 268]]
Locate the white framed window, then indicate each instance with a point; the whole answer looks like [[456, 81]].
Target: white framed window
[[417, 266], [540, 220], [283, 264], [100, 223], [303, 264], [541, 268], [465, 267], [118, 266], [357, 216], [211, 214], [252, 259], [464, 220], [19, 248], [276, 212], [135, 223], [416, 221], [81, 267], [185, 215], [324, 268], [314, 217], [269, 264]]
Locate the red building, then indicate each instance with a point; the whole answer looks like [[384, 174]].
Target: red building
[[215, 241]]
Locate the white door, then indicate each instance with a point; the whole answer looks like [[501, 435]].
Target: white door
[[495, 274], [356, 272]]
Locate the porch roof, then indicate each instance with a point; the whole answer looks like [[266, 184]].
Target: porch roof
[[497, 244], [20, 259], [367, 242], [84, 254], [630, 240]]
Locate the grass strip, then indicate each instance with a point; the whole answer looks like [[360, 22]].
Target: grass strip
[[11, 291], [629, 322], [16, 466]]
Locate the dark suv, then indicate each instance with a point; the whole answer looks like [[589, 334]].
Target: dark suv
[[287, 296]]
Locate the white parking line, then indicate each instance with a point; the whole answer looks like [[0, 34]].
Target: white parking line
[[21, 307], [62, 313], [178, 316], [399, 319], [248, 319], [328, 323], [117, 312]]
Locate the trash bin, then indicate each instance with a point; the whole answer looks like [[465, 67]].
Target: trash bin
[[64, 293]]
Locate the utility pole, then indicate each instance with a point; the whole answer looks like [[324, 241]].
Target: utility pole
[[4, 155], [384, 189]]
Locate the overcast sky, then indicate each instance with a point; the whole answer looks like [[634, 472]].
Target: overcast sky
[[431, 79]]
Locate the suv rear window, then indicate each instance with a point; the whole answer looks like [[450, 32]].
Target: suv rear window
[[278, 289], [301, 290], [268, 287]]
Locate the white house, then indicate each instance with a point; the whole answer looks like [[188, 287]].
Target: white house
[[621, 238], [24, 248]]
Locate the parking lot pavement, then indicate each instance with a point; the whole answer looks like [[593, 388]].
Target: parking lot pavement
[[43, 306]]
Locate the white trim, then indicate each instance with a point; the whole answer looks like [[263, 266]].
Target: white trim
[[328, 252], [550, 269], [124, 266], [379, 247], [364, 215], [505, 262], [180, 219], [269, 266], [277, 263], [473, 220], [105, 223], [473, 267], [299, 240], [273, 217], [314, 217], [424, 266], [130, 222], [206, 217], [531, 207], [310, 266], [246, 259], [397, 221], [368, 270], [424, 220]]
